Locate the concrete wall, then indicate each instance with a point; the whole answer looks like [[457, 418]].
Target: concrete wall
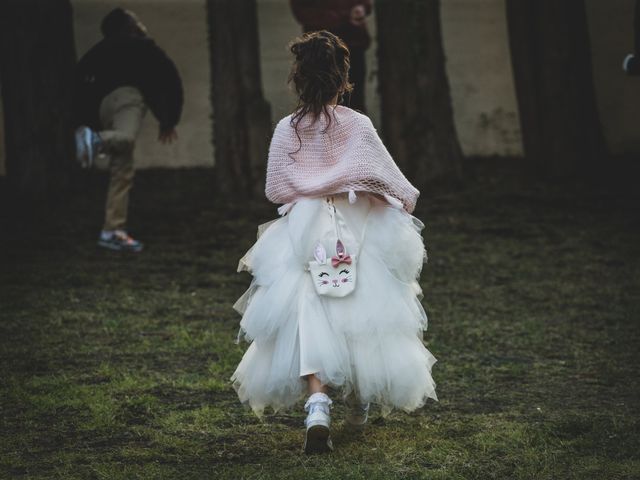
[[476, 47], [479, 67]]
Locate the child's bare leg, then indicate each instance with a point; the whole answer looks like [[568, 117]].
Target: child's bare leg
[[315, 385]]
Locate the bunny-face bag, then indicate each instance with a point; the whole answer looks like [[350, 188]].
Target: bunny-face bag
[[334, 276]]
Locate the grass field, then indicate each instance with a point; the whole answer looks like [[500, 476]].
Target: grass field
[[117, 367]]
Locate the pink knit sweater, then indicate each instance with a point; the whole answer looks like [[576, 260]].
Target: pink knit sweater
[[345, 155]]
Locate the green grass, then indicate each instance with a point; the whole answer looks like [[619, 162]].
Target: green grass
[[117, 367]]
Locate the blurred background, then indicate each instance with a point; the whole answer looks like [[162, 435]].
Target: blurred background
[[478, 66]]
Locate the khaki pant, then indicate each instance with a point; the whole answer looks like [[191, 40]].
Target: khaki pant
[[121, 114]]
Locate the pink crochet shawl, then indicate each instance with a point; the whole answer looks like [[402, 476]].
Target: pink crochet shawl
[[344, 155]]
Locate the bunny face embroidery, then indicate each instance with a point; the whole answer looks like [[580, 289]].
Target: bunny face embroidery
[[334, 276]]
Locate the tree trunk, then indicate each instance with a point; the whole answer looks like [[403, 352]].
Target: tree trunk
[[551, 59], [417, 117], [241, 115], [37, 58]]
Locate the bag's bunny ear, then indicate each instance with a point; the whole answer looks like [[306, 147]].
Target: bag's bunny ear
[[320, 254], [340, 250]]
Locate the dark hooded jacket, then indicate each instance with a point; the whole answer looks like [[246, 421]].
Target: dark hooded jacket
[[128, 60]]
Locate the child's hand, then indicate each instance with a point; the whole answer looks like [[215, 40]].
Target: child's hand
[[166, 137]]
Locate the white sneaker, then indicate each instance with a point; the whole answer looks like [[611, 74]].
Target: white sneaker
[[318, 421], [358, 414], [88, 143], [120, 241]]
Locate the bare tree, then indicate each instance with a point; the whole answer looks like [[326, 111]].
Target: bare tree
[[37, 58], [242, 117], [417, 116], [551, 59]]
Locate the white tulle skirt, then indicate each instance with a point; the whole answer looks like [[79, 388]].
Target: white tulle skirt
[[369, 342]]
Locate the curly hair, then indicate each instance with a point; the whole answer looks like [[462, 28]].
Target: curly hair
[[320, 73]]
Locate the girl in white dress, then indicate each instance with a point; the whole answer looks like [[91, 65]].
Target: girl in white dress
[[335, 301]]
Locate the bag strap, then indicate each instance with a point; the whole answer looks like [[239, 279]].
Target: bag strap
[[333, 214], [336, 228]]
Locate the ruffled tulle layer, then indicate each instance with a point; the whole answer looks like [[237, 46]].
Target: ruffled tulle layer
[[369, 342]]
